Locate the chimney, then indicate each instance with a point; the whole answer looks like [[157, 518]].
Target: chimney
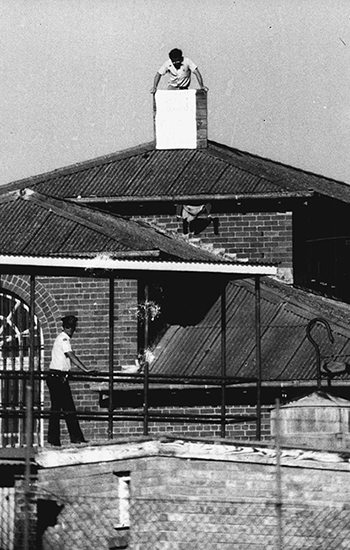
[[180, 119]]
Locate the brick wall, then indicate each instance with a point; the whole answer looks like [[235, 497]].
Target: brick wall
[[264, 236], [192, 504], [88, 298], [244, 431], [195, 494]]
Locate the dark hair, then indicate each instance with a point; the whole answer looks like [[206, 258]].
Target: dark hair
[[69, 321], [175, 54]]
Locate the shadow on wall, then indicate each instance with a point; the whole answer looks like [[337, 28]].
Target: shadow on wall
[[48, 512]]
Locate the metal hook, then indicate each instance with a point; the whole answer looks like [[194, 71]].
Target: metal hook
[[309, 327]]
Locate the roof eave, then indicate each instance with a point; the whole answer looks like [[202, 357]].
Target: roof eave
[[106, 263]]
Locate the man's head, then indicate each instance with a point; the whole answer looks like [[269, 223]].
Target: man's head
[[176, 57], [69, 323]]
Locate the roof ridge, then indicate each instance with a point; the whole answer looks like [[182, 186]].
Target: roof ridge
[[225, 157], [292, 298], [228, 148], [10, 196]]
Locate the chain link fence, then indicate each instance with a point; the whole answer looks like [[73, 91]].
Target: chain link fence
[[242, 525], [87, 523], [7, 517], [76, 525]]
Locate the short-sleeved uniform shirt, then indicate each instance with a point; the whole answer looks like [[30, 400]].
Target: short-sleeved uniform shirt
[[178, 78], [61, 346]]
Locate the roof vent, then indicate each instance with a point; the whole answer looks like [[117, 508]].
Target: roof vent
[[180, 119]]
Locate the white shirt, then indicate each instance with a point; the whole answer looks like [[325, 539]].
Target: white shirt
[[178, 78], [61, 346]]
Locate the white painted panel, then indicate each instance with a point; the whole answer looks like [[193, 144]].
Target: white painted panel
[[175, 119]]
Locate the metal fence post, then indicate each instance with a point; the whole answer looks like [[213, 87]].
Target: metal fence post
[[29, 419], [145, 399], [223, 362], [278, 476], [258, 355]]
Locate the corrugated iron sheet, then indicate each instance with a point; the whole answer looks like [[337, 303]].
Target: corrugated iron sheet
[[37, 225], [287, 354], [215, 170], [18, 224]]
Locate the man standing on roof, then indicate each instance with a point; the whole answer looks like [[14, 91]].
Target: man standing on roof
[[179, 69], [62, 357]]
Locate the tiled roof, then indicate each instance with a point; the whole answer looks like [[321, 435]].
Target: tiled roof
[[287, 354], [32, 224], [144, 173]]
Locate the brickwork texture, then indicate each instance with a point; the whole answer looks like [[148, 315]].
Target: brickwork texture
[[178, 503], [258, 236]]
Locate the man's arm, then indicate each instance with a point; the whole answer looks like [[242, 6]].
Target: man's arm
[[156, 82], [200, 80], [76, 361]]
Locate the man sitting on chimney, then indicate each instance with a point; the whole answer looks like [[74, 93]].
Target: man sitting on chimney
[[179, 69]]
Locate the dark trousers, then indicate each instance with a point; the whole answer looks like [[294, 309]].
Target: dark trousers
[[62, 400]]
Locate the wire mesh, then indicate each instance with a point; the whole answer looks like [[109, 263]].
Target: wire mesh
[[79, 525], [214, 525], [84, 523], [7, 518]]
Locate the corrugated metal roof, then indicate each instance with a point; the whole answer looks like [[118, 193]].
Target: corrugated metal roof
[[146, 173], [287, 354], [35, 225]]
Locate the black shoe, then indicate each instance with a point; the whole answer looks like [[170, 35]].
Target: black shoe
[[78, 441]]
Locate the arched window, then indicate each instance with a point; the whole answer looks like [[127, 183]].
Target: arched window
[[14, 369]]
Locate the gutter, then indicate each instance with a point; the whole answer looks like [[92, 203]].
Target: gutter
[[189, 198], [107, 263]]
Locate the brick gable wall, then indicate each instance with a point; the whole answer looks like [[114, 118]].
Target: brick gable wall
[[258, 236]]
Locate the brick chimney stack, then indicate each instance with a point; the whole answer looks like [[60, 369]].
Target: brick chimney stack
[[180, 119]]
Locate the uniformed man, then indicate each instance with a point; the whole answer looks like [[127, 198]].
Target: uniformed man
[[62, 358]]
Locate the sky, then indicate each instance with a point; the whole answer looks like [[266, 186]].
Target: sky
[[76, 78]]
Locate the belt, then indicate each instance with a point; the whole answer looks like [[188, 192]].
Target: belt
[[59, 373]]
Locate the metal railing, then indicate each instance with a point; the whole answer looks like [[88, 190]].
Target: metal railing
[[13, 413]]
